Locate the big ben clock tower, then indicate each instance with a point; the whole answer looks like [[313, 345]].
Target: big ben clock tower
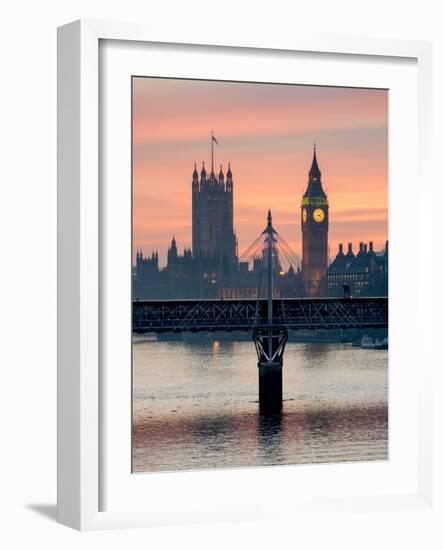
[[314, 224]]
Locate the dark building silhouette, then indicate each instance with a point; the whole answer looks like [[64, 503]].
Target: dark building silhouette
[[198, 273], [213, 233], [365, 273], [315, 224], [212, 269]]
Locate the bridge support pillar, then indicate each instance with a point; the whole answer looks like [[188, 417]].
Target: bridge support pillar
[[270, 386], [270, 368]]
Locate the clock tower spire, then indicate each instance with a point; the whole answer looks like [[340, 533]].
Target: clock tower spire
[[315, 225]]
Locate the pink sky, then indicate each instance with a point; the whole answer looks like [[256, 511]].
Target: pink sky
[[266, 132]]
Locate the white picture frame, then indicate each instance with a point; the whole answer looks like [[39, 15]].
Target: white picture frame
[[81, 436]]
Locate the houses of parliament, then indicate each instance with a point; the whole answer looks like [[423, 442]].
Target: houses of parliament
[[211, 269]]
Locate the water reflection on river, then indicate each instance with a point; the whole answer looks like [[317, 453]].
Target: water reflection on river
[[195, 406]]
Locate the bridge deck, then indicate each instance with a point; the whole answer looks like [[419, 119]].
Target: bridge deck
[[228, 315]]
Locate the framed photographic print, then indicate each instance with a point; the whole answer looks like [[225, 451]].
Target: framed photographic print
[[235, 220], [226, 278]]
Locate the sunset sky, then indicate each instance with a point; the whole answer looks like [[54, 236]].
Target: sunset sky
[[266, 132]]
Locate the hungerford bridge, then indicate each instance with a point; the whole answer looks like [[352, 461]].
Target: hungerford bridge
[[268, 319]]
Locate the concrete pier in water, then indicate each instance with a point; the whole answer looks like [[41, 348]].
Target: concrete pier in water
[[270, 386]]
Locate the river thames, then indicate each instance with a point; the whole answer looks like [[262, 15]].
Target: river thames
[[195, 406]]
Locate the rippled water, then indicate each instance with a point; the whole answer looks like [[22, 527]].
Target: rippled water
[[195, 406]]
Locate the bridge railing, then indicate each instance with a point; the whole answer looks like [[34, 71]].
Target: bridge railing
[[228, 315]]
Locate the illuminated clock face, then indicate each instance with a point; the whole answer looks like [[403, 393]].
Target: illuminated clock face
[[318, 215], [304, 214]]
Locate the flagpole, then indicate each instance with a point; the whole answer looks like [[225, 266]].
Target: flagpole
[[212, 151]]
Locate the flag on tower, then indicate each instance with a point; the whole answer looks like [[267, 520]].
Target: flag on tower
[[212, 151]]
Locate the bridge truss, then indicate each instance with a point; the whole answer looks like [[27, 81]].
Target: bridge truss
[[247, 315]]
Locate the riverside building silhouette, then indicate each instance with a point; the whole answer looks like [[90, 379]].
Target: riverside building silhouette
[[213, 235], [211, 269]]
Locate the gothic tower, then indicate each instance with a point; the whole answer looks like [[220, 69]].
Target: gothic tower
[[213, 236], [314, 223]]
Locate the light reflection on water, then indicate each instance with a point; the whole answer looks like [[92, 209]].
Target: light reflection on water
[[195, 406]]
